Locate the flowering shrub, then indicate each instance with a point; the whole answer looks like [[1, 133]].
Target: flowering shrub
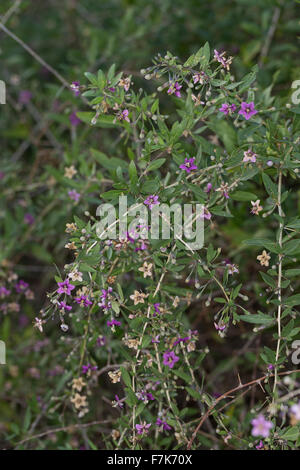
[[133, 310]]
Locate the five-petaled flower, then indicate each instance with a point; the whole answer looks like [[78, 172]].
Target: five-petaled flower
[[170, 359], [188, 165], [247, 110], [256, 207], [249, 156], [261, 426], [264, 258], [151, 201], [65, 287]]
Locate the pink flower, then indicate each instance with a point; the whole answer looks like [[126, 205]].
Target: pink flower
[[188, 165], [63, 306], [249, 156], [163, 424], [170, 358], [227, 109], [142, 428], [74, 120], [113, 323], [124, 115], [75, 87], [151, 201], [83, 301], [247, 110], [205, 214], [261, 427], [74, 195], [65, 287], [174, 89]]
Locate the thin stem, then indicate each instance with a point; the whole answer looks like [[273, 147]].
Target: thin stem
[[279, 278]]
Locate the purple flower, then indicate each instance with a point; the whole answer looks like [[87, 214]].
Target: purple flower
[[101, 340], [21, 286], [188, 165], [156, 308], [83, 301], [208, 188], [295, 411], [74, 120], [156, 339], [249, 156], [88, 367], [124, 115], [145, 396], [170, 358], [227, 109], [260, 445], [220, 326], [4, 292], [2, 175], [113, 323], [74, 195], [247, 110], [205, 214], [25, 97], [151, 201], [28, 219], [65, 287], [261, 427], [75, 87], [174, 89], [118, 402], [181, 340], [142, 428], [63, 306], [163, 424]]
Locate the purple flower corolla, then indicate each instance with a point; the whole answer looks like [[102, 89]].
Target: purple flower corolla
[[113, 323], [118, 402], [142, 428], [227, 108], [175, 88], [63, 306], [75, 87], [260, 445], [181, 340], [295, 411], [74, 195], [101, 341], [21, 286], [28, 219], [188, 165], [249, 156], [4, 292], [151, 201], [205, 214], [65, 287], [83, 301], [208, 188], [156, 340], [25, 97], [170, 359], [247, 110], [87, 368], [74, 120], [156, 308], [261, 426], [124, 115], [163, 424]]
